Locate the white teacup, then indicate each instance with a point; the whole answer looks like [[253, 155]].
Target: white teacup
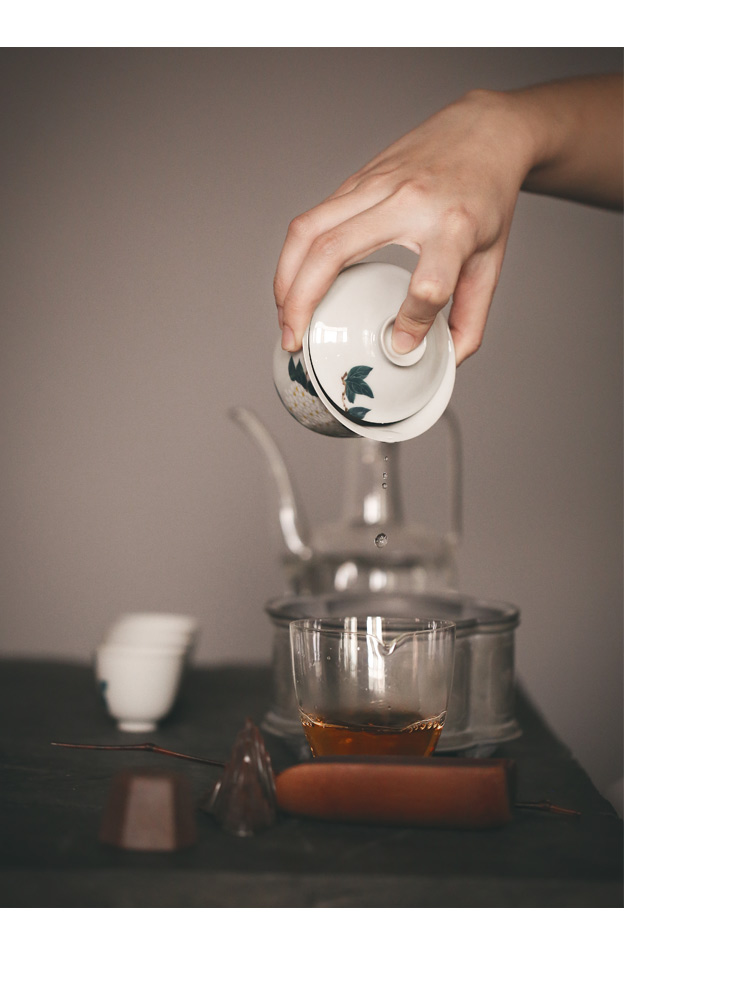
[[139, 683], [153, 629]]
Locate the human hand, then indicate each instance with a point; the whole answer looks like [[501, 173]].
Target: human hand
[[447, 191]]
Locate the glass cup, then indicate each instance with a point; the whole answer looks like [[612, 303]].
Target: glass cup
[[373, 685]]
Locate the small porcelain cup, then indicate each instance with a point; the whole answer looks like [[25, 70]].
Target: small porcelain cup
[[139, 683], [153, 629]]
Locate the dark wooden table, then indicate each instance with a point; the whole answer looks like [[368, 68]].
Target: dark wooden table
[[51, 803]]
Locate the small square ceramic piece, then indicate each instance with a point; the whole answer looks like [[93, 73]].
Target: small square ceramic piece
[[149, 810]]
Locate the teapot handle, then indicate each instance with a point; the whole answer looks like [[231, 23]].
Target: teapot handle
[[293, 525]]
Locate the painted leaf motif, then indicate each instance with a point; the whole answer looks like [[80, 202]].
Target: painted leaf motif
[[297, 373], [357, 412], [355, 383], [354, 387]]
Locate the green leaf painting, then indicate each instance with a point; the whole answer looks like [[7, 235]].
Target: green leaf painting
[[353, 381], [297, 373], [355, 384]]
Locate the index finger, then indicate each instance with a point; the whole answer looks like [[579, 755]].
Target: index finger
[[330, 252], [307, 227]]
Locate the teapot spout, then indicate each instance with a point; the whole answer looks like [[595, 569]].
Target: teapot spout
[[293, 525]]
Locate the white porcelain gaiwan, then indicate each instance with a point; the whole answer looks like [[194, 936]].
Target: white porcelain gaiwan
[[348, 380]]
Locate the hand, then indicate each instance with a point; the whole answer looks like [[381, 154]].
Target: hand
[[447, 191]]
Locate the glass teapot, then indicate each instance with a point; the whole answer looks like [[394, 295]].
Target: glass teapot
[[370, 547]]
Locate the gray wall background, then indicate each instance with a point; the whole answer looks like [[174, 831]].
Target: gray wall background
[[145, 198]]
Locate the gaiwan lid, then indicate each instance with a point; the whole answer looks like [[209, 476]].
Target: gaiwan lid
[[350, 360]]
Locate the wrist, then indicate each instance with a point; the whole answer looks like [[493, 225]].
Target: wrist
[[577, 137], [510, 126], [543, 122]]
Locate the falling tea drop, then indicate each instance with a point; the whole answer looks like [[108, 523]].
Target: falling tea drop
[[385, 486], [381, 540]]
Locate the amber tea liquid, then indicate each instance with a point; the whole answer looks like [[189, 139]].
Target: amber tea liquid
[[371, 734]]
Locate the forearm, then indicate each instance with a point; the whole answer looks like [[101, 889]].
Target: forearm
[[575, 133]]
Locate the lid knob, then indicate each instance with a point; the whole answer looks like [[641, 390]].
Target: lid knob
[[400, 359]]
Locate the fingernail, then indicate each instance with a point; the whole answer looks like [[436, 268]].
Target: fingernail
[[281, 316], [287, 339], [402, 341]]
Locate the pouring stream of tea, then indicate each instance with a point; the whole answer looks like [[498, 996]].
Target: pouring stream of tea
[[381, 539]]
